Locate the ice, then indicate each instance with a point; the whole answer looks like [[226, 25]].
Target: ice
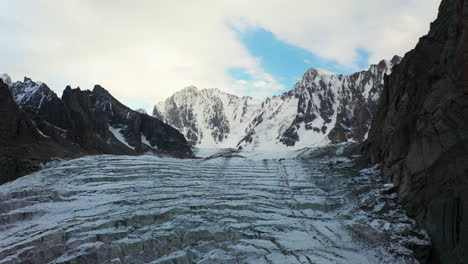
[[231, 207]]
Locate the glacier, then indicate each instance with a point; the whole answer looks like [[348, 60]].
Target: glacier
[[228, 206]]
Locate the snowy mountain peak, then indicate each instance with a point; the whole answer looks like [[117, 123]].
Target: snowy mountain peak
[[189, 89], [323, 107], [31, 94], [319, 71], [207, 117], [6, 79]]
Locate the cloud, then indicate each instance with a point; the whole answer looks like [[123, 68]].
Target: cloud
[[150, 49]]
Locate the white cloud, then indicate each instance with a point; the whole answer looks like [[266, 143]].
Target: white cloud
[[150, 49]]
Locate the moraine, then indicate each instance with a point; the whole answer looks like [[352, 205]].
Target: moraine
[[234, 207]]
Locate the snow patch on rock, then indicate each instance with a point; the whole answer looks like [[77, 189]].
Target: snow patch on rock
[[117, 132]]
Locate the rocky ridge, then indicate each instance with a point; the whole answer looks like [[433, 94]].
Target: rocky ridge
[[23, 146], [322, 108], [87, 123], [420, 132]]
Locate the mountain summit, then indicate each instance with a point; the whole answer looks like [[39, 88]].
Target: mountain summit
[[322, 108]]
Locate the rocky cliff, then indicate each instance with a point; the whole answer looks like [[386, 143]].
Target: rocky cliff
[[420, 132], [80, 123], [23, 146]]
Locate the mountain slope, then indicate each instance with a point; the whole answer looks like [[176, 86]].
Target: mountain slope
[[80, 123], [207, 117], [95, 120], [420, 133], [321, 108], [22, 146]]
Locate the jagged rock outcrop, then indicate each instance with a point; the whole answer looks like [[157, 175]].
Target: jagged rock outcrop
[[420, 132], [95, 120], [44, 107], [322, 108], [141, 131], [23, 147], [81, 123]]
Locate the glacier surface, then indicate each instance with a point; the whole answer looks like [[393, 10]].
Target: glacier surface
[[229, 207]]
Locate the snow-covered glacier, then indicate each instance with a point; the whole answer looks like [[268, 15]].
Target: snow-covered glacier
[[307, 206]]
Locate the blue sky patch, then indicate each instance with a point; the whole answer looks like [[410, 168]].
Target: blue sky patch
[[240, 74], [285, 62]]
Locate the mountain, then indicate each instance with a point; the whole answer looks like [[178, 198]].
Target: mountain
[[420, 132], [207, 117], [321, 108], [6, 79], [86, 123], [22, 146]]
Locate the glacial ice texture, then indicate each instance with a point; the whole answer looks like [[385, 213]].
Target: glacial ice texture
[[223, 209]]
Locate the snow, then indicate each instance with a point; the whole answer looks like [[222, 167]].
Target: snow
[[324, 72], [145, 141], [6, 79], [277, 115], [223, 209], [265, 122], [27, 93], [117, 132], [206, 104], [31, 94], [366, 135], [40, 133]]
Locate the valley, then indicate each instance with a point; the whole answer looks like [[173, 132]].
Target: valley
[[367, 167]]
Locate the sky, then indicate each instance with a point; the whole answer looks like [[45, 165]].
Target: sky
[[144, 51]]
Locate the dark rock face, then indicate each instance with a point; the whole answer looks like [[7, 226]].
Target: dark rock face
[[143, 132], [44, 107], [81, 123], [420, 132], [23, 146], [14, 122]]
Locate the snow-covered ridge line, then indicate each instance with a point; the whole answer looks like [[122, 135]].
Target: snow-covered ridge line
[[322, 108], [30, 94]]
